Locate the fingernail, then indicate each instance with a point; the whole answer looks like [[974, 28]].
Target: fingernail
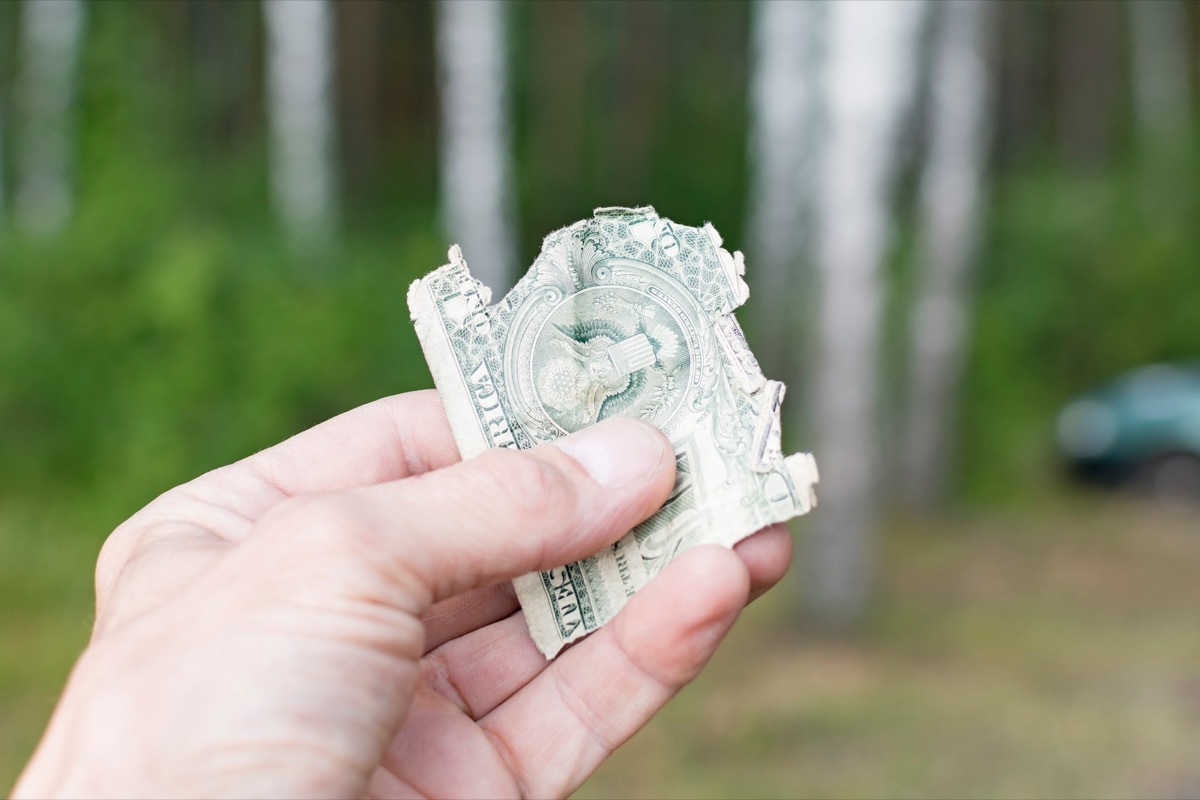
[[616, 452]]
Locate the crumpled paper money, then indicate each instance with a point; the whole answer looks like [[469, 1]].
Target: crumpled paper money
[[626, 313]]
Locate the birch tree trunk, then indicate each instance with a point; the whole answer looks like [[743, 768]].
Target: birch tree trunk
[[950, 218], [477, 194], [50, 36], [300, 107], [783, 104], [1158, 31], [868, 86]]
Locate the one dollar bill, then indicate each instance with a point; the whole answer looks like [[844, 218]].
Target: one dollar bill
[[626, 313]]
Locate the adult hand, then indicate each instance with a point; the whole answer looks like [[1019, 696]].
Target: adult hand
[[332, 617]]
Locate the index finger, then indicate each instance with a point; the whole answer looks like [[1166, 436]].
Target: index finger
[[392, 438], [383, 441]]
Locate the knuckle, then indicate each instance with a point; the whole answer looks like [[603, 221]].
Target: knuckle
[[325, 523], [338, 546], [125, 548], [114, 553], [118, 550]]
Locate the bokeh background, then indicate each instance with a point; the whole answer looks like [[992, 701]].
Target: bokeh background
[[957, 217]]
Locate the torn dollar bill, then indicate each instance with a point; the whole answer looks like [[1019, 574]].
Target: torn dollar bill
[[626, 313]]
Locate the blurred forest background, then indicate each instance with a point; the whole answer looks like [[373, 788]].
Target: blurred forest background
[[956, 217]]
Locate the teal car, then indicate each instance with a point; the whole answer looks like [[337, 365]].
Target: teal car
[[1142, 429]]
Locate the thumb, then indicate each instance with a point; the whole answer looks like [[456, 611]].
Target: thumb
[[482, 521]]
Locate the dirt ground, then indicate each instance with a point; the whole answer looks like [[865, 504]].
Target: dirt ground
[[1033, 655]]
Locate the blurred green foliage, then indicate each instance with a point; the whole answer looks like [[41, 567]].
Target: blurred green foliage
[[1082, 276], [136, 364], [170, 329]]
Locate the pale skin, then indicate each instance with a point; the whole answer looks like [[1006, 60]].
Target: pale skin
[[332, 618]]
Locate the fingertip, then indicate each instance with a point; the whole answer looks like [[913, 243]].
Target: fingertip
[[721, 573], [676, 622], [704, 584], [620, 451], [767, 556], [623, 470]]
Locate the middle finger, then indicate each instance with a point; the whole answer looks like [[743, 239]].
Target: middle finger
[[481, 670], [469, 611]]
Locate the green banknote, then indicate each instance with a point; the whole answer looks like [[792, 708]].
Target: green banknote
[[625, 313]]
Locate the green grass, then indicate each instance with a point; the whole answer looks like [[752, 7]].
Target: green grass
[[1048, 653]]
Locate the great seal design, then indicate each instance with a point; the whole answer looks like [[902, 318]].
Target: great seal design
[[617, 338]]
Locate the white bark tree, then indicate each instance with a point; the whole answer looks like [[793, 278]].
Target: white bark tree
[[1158, 38], [50, 36], [783, 124], [477, 193], [951, 211], [301, 115], [868, 86]]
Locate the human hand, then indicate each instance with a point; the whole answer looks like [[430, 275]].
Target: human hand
[[332, 617]]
